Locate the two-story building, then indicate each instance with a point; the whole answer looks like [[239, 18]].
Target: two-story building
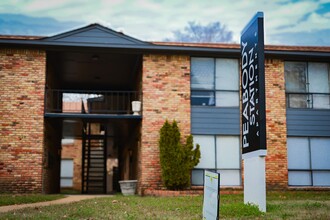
[[79, 85]]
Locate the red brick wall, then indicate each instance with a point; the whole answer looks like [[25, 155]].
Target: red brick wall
[[22, 80], [166, 95], [276, 160]]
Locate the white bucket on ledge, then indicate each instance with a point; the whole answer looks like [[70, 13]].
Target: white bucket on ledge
[[136, 107]]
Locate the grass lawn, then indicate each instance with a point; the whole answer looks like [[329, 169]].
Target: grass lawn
[[10, 199], [280, 205]]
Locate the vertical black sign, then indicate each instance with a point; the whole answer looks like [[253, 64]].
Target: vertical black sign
[[253, 88]]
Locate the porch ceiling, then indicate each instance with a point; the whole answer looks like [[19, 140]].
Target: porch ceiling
[[72, 128], [95, 70]]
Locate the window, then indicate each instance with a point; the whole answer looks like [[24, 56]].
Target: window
[[214, 82], [66, 173], [308, 161], [307, 85], [221, 154]]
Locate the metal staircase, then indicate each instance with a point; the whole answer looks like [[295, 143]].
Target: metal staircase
[[93, 161]]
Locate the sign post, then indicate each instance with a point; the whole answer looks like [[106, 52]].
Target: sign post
[[253, 113], [211, 195]]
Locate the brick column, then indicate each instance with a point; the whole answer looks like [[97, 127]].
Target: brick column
[[166, 95], [22, 83], [276, 160]]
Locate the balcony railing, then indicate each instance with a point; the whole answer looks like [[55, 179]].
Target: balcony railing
[[90, 102], [308, 100]]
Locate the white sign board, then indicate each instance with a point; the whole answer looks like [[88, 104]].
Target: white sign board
[[211, 195]]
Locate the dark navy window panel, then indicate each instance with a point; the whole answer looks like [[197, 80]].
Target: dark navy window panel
[[308, 122], [215, 120]]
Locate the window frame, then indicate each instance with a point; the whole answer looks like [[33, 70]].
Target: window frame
[[215, 168], [311, 170], [214, 91], [309, 96]]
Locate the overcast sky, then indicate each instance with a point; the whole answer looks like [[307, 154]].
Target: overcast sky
[[293, 22]]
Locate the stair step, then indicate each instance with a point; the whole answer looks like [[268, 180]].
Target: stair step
[[97, 177], [95, 183], [96, 191], [90, 189], [96, 188], [97, 171], [95, 158], [99, 181], [94, 163], [97, 150], [100, 186]]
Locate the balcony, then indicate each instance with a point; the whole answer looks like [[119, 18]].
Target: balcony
[[308, 100], [90, 102]]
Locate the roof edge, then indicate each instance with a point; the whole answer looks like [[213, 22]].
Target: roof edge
[[21, 37], [175, 47], [97, 26], [12, 39], [268, 47]]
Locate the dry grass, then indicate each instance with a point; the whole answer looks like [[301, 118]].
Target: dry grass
[[280, 205]]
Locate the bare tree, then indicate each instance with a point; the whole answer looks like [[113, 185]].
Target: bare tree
[[213, 32]]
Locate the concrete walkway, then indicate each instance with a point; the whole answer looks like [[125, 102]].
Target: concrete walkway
[[67, 199]]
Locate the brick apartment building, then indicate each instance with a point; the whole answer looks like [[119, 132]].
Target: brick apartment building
[[68, 97]]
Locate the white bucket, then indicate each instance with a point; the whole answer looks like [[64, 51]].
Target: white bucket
[[128, 187], [136, 107]]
